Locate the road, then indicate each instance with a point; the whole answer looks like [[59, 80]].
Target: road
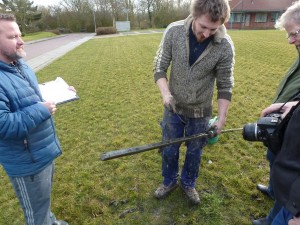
[[43, 52], [37, 48]]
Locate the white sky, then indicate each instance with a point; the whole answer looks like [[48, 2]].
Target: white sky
[[45, 2]]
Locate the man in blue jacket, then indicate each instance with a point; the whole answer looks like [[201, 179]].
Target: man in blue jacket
[[28, 142]]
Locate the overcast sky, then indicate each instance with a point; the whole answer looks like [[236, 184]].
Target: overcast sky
[[46, 2]]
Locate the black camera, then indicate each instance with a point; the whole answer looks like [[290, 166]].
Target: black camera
[[263, 130]]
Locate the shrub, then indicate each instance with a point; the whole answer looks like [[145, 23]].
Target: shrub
[[59, 31], [56, 31], [105, 30]]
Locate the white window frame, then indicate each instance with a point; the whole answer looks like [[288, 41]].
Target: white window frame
[[237, 17], [261, 17]]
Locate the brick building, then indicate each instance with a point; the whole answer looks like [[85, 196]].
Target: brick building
[[256, 14]]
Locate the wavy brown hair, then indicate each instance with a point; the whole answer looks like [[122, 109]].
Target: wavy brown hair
[[218, 10]]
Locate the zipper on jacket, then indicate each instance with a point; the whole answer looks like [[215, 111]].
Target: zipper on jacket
[[27, 149], [18, 70], [22, 75]]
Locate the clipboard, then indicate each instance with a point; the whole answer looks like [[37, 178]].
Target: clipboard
[[57, 91]]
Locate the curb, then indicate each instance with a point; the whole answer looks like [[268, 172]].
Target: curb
[[44, 39]]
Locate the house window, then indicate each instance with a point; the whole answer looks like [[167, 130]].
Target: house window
[[274, 16], [236, 17], [261, 17]]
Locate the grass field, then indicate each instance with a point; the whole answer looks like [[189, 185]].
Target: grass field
[[37, 36], [120, 106]]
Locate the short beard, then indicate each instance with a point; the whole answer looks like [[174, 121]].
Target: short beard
[[20, 54], [14, 56], [201, 38]]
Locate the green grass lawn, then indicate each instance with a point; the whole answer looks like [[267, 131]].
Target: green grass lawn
[[37, 36], [120, 106]]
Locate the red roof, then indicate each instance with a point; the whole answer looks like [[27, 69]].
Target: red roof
[[260, 5]]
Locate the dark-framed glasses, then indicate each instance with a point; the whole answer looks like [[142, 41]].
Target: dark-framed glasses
[[293, 35]]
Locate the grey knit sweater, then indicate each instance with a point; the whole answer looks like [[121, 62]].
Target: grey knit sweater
[[193, 86]]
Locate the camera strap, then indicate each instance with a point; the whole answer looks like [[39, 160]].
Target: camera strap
[[293, 97]]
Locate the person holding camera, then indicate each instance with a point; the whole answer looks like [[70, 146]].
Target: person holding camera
[[290, 22], [200, 52], [285, 172]]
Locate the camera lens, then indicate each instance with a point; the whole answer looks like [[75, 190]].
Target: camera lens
[[250, 132]]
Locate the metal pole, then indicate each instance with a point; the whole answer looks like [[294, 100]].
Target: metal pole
[[143, 148], [242, 14], [95, 20]]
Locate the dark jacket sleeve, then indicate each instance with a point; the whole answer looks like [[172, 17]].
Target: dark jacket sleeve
[[286, 168]]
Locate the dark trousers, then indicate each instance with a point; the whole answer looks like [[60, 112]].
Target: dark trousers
[[177, 126]]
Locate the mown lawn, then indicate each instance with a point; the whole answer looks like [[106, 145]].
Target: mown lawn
[[120, 106], [37, 36]]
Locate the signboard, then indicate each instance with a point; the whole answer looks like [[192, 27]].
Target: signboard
[[123, 25]]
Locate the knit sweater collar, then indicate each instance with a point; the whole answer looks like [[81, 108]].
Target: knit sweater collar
[[218, 36]]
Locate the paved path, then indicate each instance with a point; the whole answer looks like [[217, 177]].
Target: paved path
[[43, 52]]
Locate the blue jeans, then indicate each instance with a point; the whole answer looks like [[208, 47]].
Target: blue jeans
[[177, 126], [283, 217], [277, 206], [34, 194]]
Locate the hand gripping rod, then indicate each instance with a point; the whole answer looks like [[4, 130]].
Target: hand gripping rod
[[138, 149]]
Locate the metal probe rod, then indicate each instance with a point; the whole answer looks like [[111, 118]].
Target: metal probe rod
[[143, 148]]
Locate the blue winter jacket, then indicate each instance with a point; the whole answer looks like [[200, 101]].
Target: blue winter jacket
[[28, 142]]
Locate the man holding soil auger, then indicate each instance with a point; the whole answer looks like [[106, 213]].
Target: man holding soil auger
[[200, 53]]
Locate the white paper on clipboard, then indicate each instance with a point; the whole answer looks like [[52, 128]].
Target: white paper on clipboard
[[57, 91]]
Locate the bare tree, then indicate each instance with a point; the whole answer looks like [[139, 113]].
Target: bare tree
[[77, 15], [85, 15], [103, 12], [148, 6], [24, 11]]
